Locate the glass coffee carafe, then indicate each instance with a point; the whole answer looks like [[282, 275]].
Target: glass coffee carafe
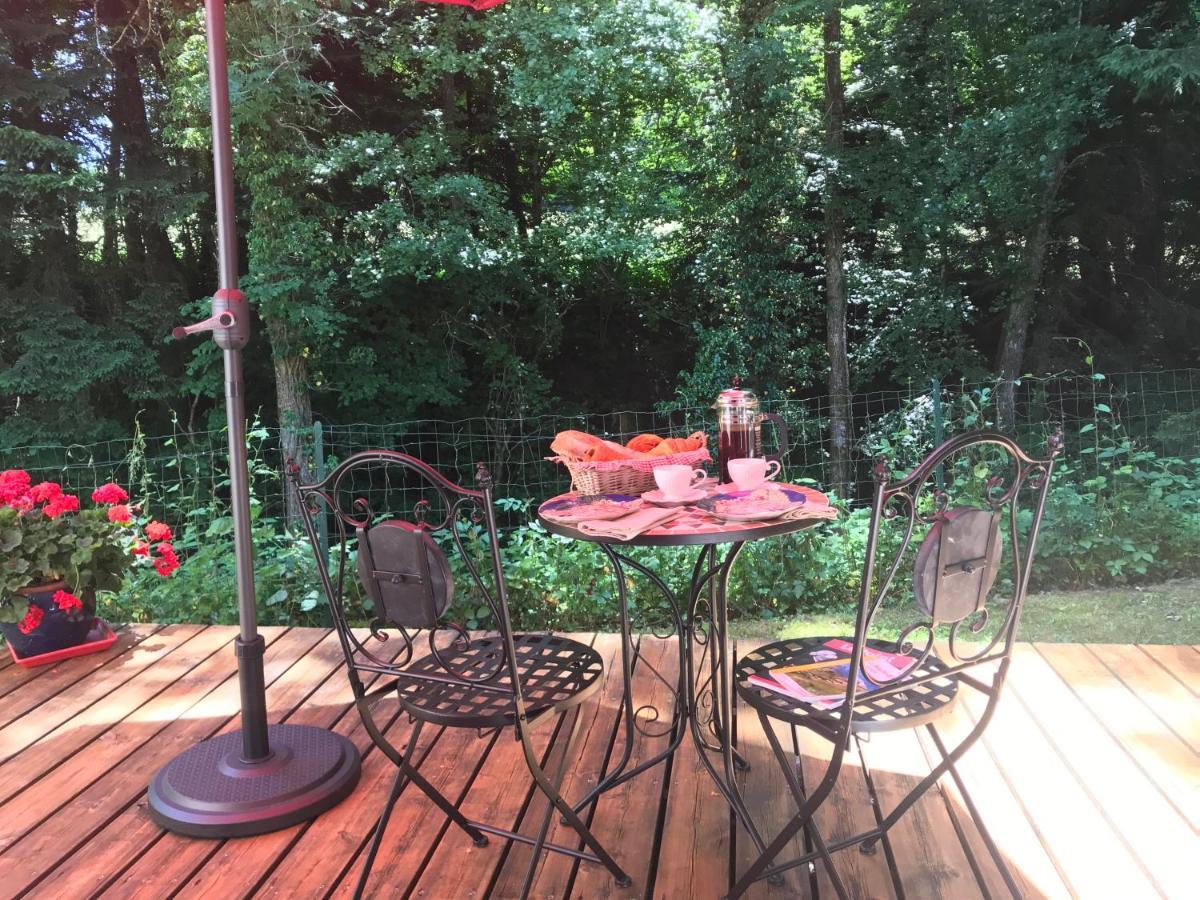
[[739, 427]]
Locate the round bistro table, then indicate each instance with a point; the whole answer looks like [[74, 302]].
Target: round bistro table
[[703, 698]]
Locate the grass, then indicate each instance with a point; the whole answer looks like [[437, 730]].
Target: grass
[[1166, 613]]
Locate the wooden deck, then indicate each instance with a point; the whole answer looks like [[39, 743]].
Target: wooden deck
[[1088, 777]]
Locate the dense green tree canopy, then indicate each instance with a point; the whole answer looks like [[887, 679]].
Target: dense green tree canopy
[[595, 204]]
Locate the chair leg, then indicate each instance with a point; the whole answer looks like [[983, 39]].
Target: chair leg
[[569, 815], [568, 752], [801, 820], [409, 771], [798, 793], [947, 763], [380, 827], [402, 779], [997, 858]]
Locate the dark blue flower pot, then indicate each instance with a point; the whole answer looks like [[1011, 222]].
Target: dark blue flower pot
[[57, 630]]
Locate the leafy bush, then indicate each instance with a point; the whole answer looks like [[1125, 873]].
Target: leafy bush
[[287, 589]]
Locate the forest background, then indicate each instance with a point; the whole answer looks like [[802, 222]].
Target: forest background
[[597, 205]]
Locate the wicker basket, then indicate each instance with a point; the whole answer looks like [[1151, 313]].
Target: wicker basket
[[632, 476]]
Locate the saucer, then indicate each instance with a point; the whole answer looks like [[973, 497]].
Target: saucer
[[732, 488], [658, 498]]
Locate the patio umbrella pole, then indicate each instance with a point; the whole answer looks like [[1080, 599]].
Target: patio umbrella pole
[[261, 778]]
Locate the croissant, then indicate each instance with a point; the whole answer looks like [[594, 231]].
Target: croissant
[[608, 451], [575, 445], [679, 445], [644, 443]]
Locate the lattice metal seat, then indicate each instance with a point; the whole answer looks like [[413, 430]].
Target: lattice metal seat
[[875, 711], [556, 673]]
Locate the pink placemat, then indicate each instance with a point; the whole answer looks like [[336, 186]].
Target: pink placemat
[[692, 520]]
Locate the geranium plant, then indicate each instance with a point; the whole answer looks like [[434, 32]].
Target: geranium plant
[[46, 536]]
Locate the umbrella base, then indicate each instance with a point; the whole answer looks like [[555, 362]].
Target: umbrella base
[[209, 791]]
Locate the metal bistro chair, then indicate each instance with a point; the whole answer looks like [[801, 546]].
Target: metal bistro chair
[[485, 683], [954, 571]]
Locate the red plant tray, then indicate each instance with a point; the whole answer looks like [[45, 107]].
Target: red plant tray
[[44, 659]]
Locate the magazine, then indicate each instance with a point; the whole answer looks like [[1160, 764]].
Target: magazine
[[823, 681]]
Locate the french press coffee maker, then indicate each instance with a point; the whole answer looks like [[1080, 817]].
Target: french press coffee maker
[[739, 427]]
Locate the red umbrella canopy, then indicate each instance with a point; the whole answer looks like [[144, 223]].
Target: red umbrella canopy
[[474, 4]]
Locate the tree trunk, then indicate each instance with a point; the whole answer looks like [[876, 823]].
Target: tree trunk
[[294, 406], [1011, 355], [146, 240], [840, 418]]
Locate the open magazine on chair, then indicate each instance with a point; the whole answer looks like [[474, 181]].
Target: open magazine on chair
[[823, 681]]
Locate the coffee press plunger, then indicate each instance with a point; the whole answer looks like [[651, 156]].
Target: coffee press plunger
[[739, 427]]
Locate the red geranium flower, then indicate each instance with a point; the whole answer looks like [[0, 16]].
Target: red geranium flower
[[44, 491], [167, 561], [109, 493], [67, 602], [120, 513], [14, 488], [158, 531], [140, 548], [33, 618], [15, 476], [63, 503]]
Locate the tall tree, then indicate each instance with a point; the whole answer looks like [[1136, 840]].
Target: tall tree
[[840, 414]]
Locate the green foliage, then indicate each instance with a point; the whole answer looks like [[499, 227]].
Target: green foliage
[[204, 589]]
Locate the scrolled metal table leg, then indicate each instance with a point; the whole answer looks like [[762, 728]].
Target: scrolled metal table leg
[[721, 686], [619, 775]]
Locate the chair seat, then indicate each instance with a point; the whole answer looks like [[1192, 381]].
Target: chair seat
[[556, 673], [874, 712]]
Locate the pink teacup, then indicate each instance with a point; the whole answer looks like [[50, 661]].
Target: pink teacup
[[750, 473], [677, 481]]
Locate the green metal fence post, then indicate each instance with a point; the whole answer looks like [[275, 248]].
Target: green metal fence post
[[319, 474], [935, 390]]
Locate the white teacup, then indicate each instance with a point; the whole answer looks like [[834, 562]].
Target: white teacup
[[677, 481], [748, 474]]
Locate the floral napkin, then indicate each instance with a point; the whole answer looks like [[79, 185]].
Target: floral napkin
[[628, 527]]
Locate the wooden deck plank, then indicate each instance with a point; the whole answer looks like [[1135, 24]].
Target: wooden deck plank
[[1181, 661], [694, 859], [25, 750], [1017, 838], [173, 722], [1166, 695], [15, 677], [1075, 833], [74, 717], [127, 838], [1150, 826], [312, 691], [329, 848], [499, 796], [929, 855], [1167, 760], [554, 870], [1080, 765], [83, 671], [625, 819]]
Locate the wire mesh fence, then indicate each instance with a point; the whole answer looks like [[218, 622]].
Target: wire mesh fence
[[183, 475]]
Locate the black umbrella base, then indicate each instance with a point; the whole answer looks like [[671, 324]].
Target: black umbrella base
[[208, 791]]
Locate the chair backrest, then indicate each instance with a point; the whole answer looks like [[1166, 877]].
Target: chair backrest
[[394, 517], [966, 521]]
